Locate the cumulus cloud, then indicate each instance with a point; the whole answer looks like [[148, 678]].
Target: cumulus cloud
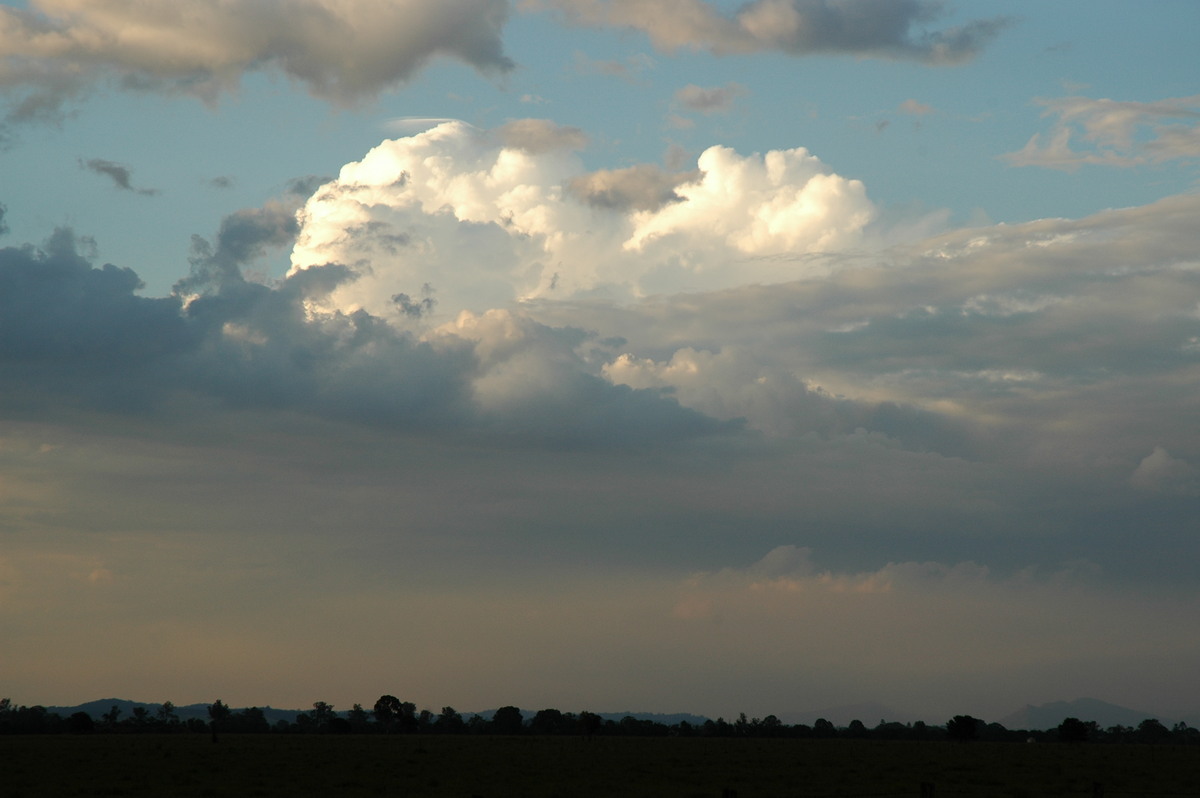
[[1113, 133], [420, 210], [715, 99], [871, 28], [745, 291], [343, 51], [784, 202]]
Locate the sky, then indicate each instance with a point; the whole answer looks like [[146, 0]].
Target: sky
[[610, 355]]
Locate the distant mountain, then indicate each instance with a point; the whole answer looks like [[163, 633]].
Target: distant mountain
[[99, 707], [1048, 716]]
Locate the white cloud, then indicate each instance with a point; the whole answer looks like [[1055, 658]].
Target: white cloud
[[784, 202], [419, 211]]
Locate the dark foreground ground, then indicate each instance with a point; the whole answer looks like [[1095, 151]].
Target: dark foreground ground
[[542, 767]]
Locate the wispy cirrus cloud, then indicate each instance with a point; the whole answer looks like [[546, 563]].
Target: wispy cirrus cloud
[[1113, 133]]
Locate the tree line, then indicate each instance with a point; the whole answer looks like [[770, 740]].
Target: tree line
[[390, 715]]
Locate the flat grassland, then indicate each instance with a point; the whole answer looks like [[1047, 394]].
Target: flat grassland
[[570, 767]]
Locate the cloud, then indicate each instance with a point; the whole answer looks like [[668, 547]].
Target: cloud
[[1159, 472], [244, 236], [343, 51], [717, 99], [76, 336], [749, 292], [537, 136], [120, 175], [627, 70], [911, 106], [921, 439], [1015, 343], [418, 210], [644, 187], [1113, 133], [935, 619], [871, 28]]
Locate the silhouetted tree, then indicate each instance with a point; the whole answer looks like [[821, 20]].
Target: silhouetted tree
[[110, 718], [80, 723], [770, 726], [166, 714], [357, 718], [1072, 730], [218, 713], [249, 721], [1151, 731], [322, 714], [387, 712], [449, 722], [823, 728], [507, 720], [1184, 734], [963, 728], [589, 723]]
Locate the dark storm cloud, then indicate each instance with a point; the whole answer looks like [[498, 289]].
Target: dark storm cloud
[[244, 236], [874, 28], [76, 336], [120, 174]]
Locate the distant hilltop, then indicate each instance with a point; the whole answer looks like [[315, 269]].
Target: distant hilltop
[[1030, 717], [97, 708], [1048, 716]]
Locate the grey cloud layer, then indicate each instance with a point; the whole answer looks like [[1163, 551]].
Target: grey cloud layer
[[72, 335], [876, 28], [340, 51]]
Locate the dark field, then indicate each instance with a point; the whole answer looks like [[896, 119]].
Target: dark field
[[301, 765]]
